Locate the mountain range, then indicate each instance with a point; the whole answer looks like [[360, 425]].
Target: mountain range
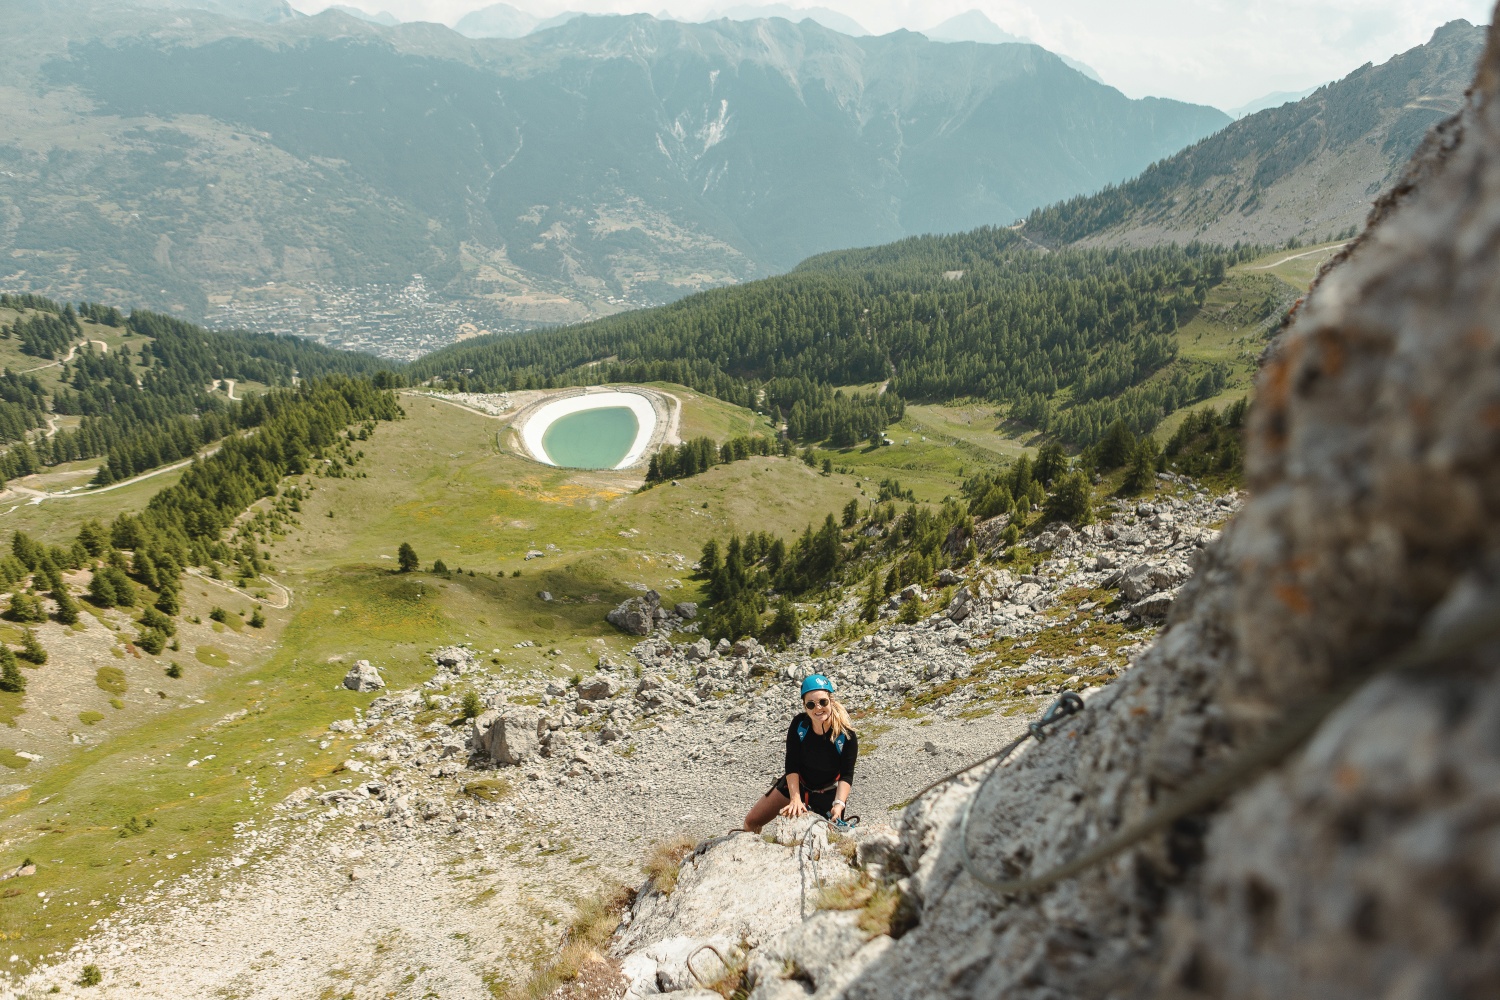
[[182, 160], [1308, 170]]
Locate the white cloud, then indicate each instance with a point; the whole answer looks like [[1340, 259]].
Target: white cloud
[[1221, 52]]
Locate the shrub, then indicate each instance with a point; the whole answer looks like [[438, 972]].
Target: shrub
[[257, 620], [911, 612], [218, 614], [168, 603], [439, 567], [91, 976], [174, 671], [472, 704]]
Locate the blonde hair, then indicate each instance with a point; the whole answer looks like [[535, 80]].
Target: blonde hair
[[839, 722]]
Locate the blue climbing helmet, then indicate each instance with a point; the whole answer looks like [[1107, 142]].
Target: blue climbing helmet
[[816, 682]]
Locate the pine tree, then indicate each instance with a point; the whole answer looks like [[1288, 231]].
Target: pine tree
[[257, 620], [406, 558], [31, 648], [11, 678], [67, 608]]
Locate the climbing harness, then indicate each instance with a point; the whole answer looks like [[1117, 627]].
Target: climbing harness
[[1473, 628]]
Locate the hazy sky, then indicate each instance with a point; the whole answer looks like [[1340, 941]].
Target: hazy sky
[[1220, 52]]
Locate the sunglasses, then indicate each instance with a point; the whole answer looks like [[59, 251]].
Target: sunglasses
[[815, 703]]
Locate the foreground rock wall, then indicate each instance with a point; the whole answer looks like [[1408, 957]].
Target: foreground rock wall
[[1369, 864]]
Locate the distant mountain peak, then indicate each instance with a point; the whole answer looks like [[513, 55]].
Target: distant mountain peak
[[830, 19], [498, 20], [973, 26], [385, 17]]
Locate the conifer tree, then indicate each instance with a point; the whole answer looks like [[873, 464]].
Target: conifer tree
[[11, 678], [31, 648]]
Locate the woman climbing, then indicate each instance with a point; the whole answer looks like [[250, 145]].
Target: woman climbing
[[821, 750]]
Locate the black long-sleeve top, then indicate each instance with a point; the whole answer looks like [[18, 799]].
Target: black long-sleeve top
[[815, 759]]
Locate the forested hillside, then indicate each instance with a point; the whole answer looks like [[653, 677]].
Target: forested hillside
[[1070, 342], [136, 407], [1307, 170]]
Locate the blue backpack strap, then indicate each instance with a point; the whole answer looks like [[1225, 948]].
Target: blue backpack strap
[[802, 730], [838, 744]]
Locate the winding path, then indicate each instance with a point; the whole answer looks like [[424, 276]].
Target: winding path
[[1295, 256]]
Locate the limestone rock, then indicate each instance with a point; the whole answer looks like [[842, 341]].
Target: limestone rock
[[480, 725], [514, 736], [363, 677], [686, 610], [1155, 606], [598, 687], [636, 615]]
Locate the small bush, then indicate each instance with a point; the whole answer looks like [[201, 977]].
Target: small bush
[[134, 827], [218, 614], [91, 976], [911, 612], [257, 620], [472, 704], [665, 861], [174, 671]]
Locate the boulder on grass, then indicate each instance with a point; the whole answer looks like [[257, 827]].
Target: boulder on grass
[[363, 677], [637, 615]]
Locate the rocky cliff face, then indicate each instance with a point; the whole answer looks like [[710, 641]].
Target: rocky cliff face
[[1368, 863]]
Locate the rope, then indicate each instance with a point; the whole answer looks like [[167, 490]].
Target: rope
[[1473, 627]]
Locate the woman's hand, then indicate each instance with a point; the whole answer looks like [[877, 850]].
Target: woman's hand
[[793, 809], [836, 811]]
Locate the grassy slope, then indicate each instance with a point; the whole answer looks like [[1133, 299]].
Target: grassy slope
[[451, 495], [1226, 328]]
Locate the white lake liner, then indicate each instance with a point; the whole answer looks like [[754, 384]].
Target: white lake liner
[[645, 419]]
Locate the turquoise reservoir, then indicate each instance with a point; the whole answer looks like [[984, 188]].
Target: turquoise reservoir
[[591, 439]]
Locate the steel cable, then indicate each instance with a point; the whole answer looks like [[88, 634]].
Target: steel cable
[[1474, 627]]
